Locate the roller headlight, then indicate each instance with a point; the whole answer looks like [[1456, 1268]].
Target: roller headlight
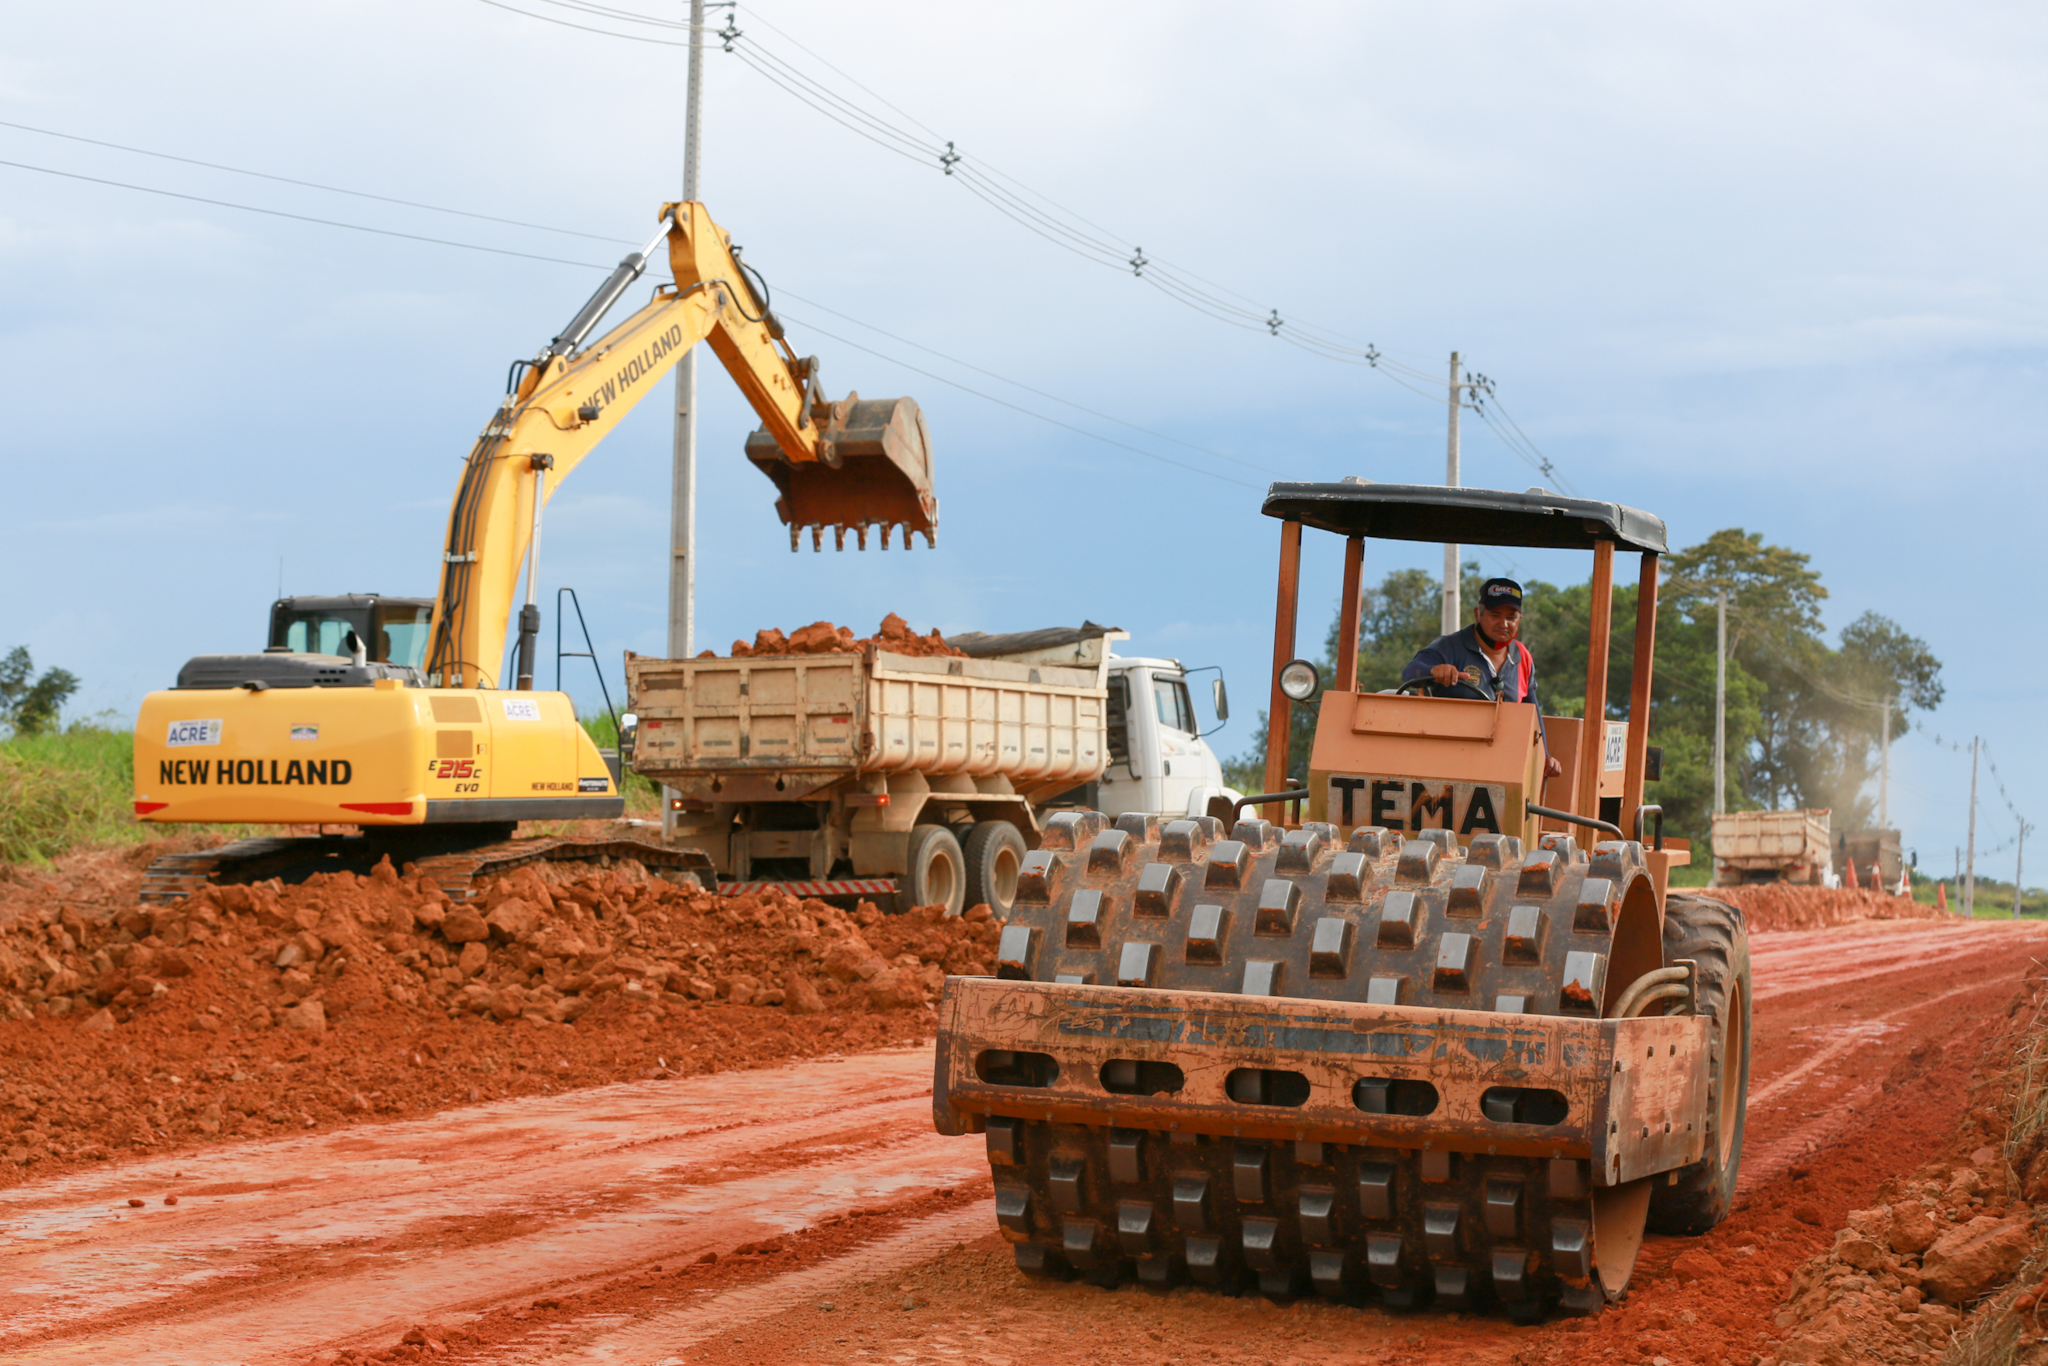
[[1299, 680]]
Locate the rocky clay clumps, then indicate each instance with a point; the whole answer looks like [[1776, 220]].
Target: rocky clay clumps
[[1954, 1250], [1900, 1276], [544, 943], [823, 638], [246, 1010]]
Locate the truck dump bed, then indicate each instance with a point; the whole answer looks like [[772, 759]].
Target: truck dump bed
[[1794, 844], [778, 726]]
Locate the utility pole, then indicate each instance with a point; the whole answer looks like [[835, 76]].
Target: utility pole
[[1453, 615], [1970, 863], [2019, 866], [1884, 769], [1720, 701], [682, 570]]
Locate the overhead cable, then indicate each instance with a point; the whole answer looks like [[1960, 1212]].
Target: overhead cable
[[589, 265], [1045, 218], [1019, 408], [300, 217], [313, 185]]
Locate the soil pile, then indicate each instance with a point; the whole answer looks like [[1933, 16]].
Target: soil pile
[[823, 638], [1786, 906], [1951, 1263], [245, 1008]]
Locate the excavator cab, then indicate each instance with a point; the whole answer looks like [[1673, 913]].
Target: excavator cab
[[392, 630], [1441, 1042]]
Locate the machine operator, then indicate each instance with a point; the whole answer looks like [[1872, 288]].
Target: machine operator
[[1485, 661]]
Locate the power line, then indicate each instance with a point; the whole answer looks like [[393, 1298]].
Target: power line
[[312, 185], [300, 217], [1078, 407], [555, 260], [604, 32], [1019, 408], [1035, 211]]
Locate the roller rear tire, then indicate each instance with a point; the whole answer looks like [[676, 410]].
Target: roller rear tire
[[1713, 935]]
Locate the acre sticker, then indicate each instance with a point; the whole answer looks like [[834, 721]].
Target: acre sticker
[[521, 709], [194, 733]]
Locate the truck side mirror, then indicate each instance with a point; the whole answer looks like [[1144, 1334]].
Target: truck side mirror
[[1222, 696]]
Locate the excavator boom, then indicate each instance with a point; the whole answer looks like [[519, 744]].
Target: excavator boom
[[849, 464]]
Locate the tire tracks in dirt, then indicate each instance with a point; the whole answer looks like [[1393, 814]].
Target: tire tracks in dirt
[[475, 1219]]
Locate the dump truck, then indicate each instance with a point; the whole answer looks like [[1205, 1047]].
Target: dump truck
[[1403, 1047], [1875, 854], [1773, 846], [922, 779]]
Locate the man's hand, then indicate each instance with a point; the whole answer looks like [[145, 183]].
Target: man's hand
[[1445, 675], [1551, 766]]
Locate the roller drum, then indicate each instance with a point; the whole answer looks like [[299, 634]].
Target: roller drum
[[1177, 906]]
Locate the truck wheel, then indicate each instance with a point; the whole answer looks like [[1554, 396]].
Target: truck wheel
[[995, 855], [937, 875], [1712, 934]]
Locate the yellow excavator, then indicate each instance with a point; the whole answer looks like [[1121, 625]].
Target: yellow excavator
[[427, 752]]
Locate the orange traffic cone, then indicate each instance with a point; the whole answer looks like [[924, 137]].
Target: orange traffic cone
[[1905, 884], [1851, 884], [1941, 896]]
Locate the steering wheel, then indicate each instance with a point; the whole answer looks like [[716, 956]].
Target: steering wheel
[[1415, 686]]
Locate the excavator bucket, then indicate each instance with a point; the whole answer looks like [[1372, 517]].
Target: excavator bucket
[[874, 472]]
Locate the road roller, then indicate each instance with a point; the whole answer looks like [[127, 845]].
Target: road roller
[[1420, 1026]]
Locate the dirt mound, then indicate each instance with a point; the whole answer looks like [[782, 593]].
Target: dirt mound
[[823, 638], [192, 1020], [1953, 1252], [1786, 906]]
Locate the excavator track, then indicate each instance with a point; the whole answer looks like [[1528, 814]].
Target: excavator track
[[1437, 1214], [456, 871]]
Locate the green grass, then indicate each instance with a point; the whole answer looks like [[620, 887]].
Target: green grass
[[643, 798], [65, 791], [75, 789], [1698, 873]]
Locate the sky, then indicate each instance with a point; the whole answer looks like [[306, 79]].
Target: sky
[[1773, 267]]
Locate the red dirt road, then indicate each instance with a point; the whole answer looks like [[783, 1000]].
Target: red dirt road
[[580, 1227]]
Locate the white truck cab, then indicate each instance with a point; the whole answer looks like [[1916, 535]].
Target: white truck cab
[[1158, 760]]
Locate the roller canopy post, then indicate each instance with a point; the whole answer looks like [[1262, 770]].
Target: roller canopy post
[[1279, 712], [1593, 730], [1347, 627], [1637, 765]]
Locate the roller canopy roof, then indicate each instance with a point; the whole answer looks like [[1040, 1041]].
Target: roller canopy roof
[[1431, 512]]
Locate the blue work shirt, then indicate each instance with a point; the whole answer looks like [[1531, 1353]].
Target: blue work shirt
[[1516, 682]]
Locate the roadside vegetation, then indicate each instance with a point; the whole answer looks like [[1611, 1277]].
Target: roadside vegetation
[[66, 790], [59, 788], [643, 798]]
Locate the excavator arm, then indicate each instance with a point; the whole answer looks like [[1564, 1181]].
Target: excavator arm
[[850, 464]]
